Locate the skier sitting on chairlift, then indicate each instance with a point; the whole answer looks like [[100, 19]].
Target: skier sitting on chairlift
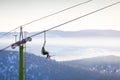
[[43, 51]]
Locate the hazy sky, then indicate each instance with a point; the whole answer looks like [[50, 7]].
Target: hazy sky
[[14, 13]]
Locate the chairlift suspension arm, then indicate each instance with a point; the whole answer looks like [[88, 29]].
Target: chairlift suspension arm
[[44, 39]]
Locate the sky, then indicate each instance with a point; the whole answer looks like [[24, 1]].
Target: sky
[[14, 13]]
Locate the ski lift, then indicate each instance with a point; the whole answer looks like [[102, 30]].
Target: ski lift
[[43, 50]]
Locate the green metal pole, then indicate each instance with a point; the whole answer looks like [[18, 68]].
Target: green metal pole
[[21, 65]]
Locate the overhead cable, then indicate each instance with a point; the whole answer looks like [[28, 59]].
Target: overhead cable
[[76, 19], [46, 17], [70, 21]]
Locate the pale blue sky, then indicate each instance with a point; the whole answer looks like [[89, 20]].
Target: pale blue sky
[[14, 13]]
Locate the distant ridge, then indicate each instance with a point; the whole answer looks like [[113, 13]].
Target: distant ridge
[[81, 33], [87, 33]]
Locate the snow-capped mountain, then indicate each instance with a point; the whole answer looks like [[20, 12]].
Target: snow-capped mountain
[[38, 68], [108, 66]]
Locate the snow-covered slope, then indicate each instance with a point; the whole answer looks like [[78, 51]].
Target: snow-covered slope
[[38, 68], [108, 66]]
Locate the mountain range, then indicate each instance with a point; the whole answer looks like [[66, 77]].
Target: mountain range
[[40, 68], [108, 66], [81, 33]]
